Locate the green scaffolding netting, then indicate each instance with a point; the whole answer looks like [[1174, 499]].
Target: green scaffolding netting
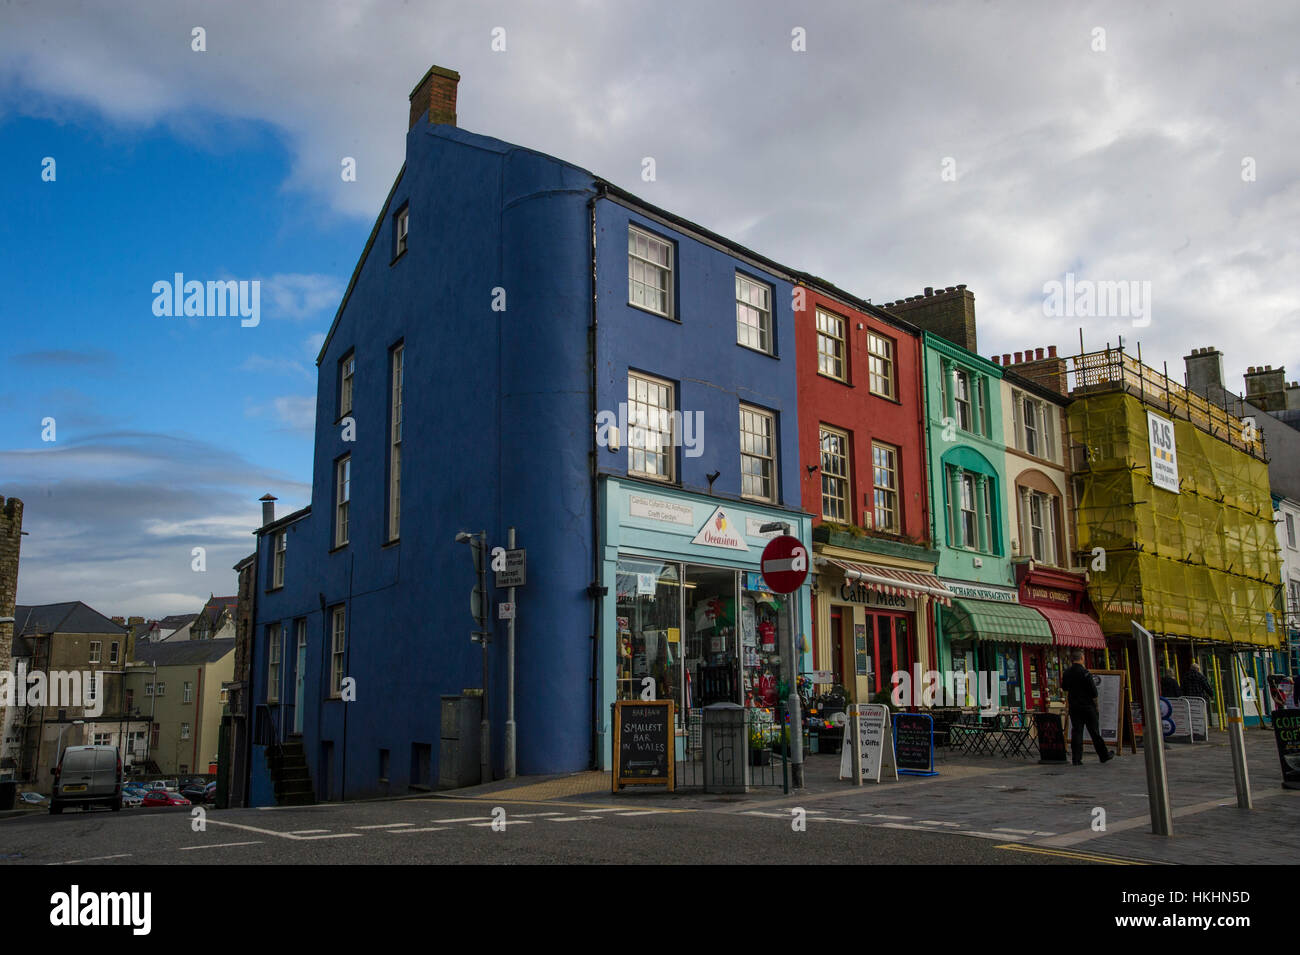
[[1201, 563]]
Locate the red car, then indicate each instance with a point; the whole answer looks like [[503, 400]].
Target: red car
[[160, 797]]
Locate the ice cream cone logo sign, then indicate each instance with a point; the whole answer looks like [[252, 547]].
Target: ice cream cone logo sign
[[785, 564]]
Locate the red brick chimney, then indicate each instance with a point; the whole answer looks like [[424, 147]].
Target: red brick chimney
[[435, 96]]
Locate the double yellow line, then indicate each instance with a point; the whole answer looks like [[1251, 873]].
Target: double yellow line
[[1070, 854]]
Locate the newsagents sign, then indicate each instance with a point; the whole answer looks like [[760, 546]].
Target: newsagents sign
[[1164, 452]]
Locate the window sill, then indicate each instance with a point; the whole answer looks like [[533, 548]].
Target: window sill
[[271, 590], [891, 400], [657, 478], [651, 311], [337, 547], [399, 255], [758, 351], [842, 381], [389, 543]]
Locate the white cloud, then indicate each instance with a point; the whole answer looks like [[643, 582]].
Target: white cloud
[[300, 297]]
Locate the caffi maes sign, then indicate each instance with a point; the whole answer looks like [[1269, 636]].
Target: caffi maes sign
[[857, 592], [722, 530]]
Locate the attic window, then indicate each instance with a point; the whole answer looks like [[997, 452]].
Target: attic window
[[401, 226]]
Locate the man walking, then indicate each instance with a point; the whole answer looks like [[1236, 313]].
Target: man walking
[[1082, 690], [1196, 684]]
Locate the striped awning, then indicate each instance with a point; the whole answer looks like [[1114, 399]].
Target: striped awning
[[1073, 629], [894, 581], [996, 622]]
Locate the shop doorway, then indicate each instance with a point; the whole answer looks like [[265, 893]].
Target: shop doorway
[[712, 651], [837, 645], [891, 648], [1036, 679]]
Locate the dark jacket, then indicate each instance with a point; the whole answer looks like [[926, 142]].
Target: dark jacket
[[1169, 686], [1195, 684], [1078, 682]]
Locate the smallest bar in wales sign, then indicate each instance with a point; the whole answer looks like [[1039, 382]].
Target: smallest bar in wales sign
[[644, 743]]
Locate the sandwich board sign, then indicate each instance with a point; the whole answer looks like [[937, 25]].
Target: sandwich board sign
[[1180, 714], [876, 743], [1200, 719], [914, 744]]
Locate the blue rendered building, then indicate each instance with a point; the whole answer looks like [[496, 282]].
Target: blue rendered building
[[524, 345]]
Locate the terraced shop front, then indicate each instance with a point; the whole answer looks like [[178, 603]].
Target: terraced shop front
[[987, 629]]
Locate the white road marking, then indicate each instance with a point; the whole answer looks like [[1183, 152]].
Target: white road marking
[[283, 835], [386, 825], [936, 822], [465, 819], [1021, 832], [222, 845], [120, 855], [573, 819], [851, 822], [424, 829], [504, 822], [608, 809], [528, 815], [644, 812], [307, 832]]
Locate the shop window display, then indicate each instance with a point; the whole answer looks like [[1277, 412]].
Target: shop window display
[[649, 628]]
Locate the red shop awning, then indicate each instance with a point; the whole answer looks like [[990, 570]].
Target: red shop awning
[[892, 580], [1073, 629]]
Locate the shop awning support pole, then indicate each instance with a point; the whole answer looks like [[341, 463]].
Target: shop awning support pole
[[1153, 740]]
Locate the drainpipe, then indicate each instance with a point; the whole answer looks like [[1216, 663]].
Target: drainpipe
[[594, 756]]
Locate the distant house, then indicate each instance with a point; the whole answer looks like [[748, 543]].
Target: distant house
[[177, 626], [83, 655], [216, 621], [178, 689]]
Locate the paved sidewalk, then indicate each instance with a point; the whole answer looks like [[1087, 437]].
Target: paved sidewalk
[[1041, 808]]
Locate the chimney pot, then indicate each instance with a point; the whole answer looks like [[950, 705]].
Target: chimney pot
[[1006, 358], [268, 509], [1051, 351], [929, 290], [1018, 357], [1038, 353]]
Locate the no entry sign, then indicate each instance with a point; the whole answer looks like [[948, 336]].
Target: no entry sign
[[785, 564]]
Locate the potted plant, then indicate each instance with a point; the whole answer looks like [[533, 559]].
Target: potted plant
[[759, 754]]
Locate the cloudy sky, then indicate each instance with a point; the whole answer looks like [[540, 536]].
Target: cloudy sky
[[1000, 145]]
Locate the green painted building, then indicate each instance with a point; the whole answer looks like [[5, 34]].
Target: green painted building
[[984, 627]]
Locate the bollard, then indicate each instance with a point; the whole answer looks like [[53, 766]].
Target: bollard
[[1153, 740], [1237, 743]]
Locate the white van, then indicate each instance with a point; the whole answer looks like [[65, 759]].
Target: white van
[[87, 776]]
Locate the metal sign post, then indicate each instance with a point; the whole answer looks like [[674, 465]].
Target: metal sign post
[[1153, 741]]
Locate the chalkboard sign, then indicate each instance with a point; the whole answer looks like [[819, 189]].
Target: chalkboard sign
[[1286, 727], [644, 744], [914, 744], [1051, 738], [861, 661]]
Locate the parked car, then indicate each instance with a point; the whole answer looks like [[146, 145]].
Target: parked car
[[170, 785], [161, 797], [135, 788], [197, 782], [130, 800], [87, 776], [195, 794], [33, 799], [211, 790]]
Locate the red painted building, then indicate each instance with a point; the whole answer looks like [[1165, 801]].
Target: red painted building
[[861, 443]]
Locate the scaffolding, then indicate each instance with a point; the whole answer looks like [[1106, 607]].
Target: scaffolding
[[1201, 563]]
